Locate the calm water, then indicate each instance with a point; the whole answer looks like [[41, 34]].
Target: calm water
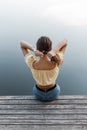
[[18, 23]]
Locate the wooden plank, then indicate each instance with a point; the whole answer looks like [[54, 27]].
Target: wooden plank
[[42, 107], [27, 102], [30, 97], [36, 112], [43, 127], [43, 122], [43, 117]]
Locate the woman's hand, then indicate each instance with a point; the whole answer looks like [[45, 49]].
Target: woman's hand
[[38, 53], [50, 54]]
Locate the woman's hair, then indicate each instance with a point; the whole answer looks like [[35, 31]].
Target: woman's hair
[[44, 44], [55, 59]]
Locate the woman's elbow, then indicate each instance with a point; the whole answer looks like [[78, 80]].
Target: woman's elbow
[[66, 43], [21, 44]]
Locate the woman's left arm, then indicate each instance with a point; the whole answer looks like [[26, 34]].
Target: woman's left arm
[[61, 47], [25, 47]]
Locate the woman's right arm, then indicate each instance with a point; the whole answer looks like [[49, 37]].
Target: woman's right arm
[[25, 47]]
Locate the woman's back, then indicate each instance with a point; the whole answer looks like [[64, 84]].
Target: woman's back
[[44, 64]]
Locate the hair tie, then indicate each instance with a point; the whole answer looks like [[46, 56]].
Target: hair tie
[[44, 52]]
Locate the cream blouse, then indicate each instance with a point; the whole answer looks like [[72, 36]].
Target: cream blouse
[[42, 77]]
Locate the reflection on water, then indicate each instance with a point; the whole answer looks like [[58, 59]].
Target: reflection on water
[[15, 77]]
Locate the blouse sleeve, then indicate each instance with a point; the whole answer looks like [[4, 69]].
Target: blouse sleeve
[[60, 56], [29, 59]]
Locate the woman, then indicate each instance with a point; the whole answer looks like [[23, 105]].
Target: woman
[[45, 70]]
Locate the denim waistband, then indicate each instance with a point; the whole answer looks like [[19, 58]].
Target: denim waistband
[[45, 90]]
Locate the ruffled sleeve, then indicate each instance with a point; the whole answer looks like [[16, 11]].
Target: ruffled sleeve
[[29, 59], [60, 56]]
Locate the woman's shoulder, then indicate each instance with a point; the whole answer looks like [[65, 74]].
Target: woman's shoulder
[[29, 59]]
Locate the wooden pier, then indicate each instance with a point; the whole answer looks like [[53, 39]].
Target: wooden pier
[[28, 113]]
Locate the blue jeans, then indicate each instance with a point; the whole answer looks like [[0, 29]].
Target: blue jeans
[[46, 95]]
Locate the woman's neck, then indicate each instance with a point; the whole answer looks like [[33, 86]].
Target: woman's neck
[[45, 57]]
